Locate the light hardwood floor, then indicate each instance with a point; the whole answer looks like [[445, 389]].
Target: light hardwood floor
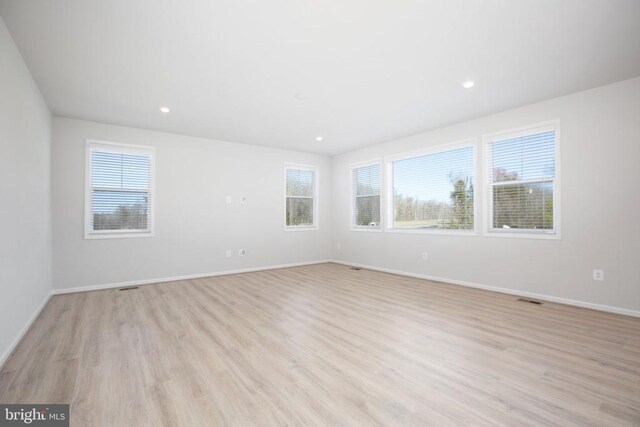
[[325, 345]]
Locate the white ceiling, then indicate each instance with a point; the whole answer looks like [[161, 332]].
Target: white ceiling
[[366, 71]]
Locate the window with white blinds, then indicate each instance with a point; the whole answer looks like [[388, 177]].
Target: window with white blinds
[[433, 191], [119, 190], [521, 182], [301, 197], [365, 203]]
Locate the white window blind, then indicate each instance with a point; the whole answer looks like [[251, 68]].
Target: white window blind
[[119, 190], [522, 182], [434, 191], [366, 181], [301, 204]]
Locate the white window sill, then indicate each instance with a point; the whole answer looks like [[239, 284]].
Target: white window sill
[[555, 235], [118, 235], [367, 229], [301, 228], [467, 233]]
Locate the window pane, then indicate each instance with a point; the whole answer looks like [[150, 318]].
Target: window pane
[[366, 196], [119, 210], [120, 190], [106, 169], [299, 211], [523, 206], [367, 180], [434, 191], [120, 170], [300, 182], [367, 211], [529, 157]]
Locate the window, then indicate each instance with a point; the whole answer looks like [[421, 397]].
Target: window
[[366, 182], [119, 190], [522, 187], [301, 197], [434, 191]]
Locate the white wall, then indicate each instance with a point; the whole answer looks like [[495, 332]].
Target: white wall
[[600, 162], [194, 226], [25, 239]]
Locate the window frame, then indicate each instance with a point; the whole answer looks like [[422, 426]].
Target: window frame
[[89, 234], [352, 196], [440, 148], [490, 138], [316, 199]]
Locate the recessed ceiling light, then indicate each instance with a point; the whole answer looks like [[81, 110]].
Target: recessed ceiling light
[[165, 109], [318, 138], [468, 84]]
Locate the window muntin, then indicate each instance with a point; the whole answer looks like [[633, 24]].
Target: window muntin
[[301, 201], [119, 190], [433, 191], [522, 183], [365, 203]]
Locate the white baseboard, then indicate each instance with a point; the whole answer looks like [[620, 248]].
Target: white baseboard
[[567, 301], [186, 277], [8, 352]]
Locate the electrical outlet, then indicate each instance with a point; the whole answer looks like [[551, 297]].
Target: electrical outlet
[[598, 275], [228, 200], [228, 253], [242, 252], [425, 256], [339, 246], [243, 200]]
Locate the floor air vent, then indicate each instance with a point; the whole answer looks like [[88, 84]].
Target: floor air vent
[[128, 289], [356, 268], [530, 301]]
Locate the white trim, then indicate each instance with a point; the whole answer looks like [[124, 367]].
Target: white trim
[[361, 164], [184, 277], [9, 351], [434, 149], [301, 228], [119, 234], [526, 234], [366, 229], [125, 148], [352, 167], [441, 148], [519, 131], [436, 232], [316, 198], [543, 297], [489, 138]]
